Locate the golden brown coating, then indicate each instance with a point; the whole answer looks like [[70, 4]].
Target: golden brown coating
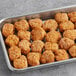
[[51, 46], [20, 62], [14, 52], [54, 47], [38, 33], [73, 19], [8, 29], [61, 17], [72, 16], [21, 25], [61, 54], [53, 36], [50, 24], [66, 43], [70, 34], [35, 22], [48, 45], [72, 51], [47, 57], [12, 40], [37, 46], [33, 58], [68, 25], [24, 35], [25, 46]]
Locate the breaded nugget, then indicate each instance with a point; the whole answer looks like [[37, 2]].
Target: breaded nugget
[[37, 46], [61, 17], [33, 58], [38, 33], [47, 57], [20, 62], [72, 16], [24, 35], [8, 29], [68, 25], [50, 24], [25, 46], [66, 43], [21, 25], [70, 34], [72, 51], [73, 19], [53, 36], [48, 45], [35, 22], [12, 40], [51, 46], [61, 54], [14, 52]]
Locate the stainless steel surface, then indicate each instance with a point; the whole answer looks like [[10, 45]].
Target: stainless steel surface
[[43, 15]]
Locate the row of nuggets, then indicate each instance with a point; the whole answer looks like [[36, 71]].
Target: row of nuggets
[[46, 43]]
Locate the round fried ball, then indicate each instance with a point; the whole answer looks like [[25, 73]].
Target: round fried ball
[[12, 40], [73, 19], [33, 58], [38, 33], [8, 29], [70, 34], [53, 36], [47, 57], [72, 14], [72, 51], [20, 62], [24, 35], [66, 43], [61, 17], [61, 54], [21, 25], [37, 46], [51, 46], [35, 22], [14, 52], [25, 46], [50, 24], [48, 45], [68, 25]]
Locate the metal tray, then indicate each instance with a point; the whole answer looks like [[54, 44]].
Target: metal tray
[[44, 15]]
